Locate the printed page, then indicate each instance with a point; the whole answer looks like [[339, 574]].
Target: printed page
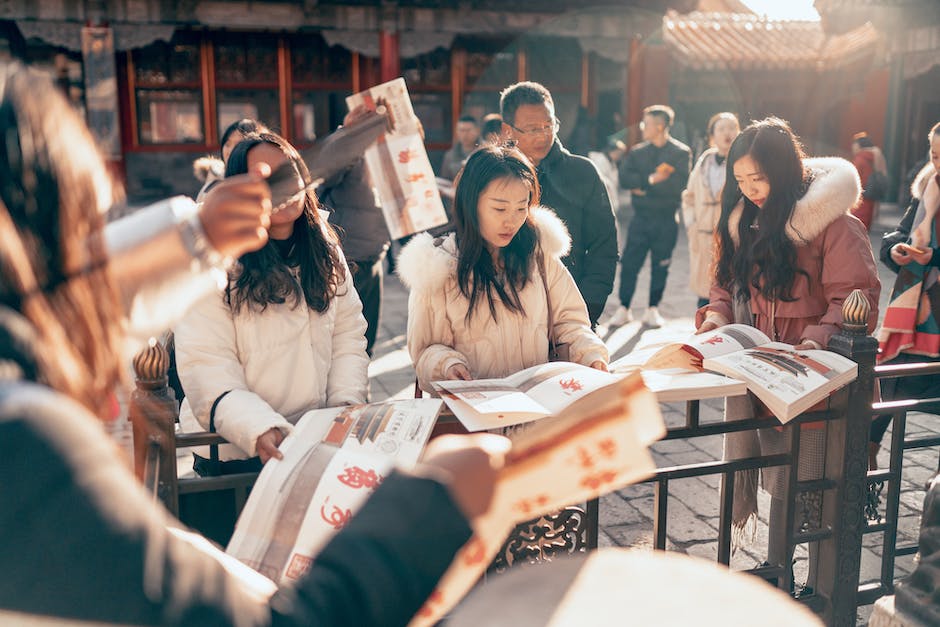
[[550, 466], [522, 397], [787, 381], [681, 385], [398, 163], [333, 460]]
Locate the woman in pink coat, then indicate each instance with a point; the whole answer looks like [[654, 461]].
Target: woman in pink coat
[[789, 253]]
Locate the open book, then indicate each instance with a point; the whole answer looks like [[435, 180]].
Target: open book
[[557, 388], [787, 381], [333, 460]]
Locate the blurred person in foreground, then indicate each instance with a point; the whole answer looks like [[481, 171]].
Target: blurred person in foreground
[[85, 542]]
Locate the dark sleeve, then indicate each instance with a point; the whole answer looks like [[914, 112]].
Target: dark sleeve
[[84, 540], [385, 563], [600, 243], [898, 235], [633, 174]]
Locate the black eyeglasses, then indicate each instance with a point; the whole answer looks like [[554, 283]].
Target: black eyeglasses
[[548, 129]]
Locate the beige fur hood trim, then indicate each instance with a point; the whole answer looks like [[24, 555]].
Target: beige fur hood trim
[[834, 191], [427, 262]]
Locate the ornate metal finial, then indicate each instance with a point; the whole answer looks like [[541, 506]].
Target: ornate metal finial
[[855, 311], [152, 363]]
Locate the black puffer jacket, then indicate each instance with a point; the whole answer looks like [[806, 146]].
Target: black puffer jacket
[[572, 187]]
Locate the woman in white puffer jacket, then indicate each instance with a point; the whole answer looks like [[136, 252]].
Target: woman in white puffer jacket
[[287, 336], [478, 306]]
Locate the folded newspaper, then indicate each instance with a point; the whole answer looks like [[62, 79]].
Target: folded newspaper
[[333, 460]]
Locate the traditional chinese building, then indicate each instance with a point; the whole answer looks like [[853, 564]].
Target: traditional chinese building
[[161, 80]]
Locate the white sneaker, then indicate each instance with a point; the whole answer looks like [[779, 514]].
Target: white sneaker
[[622, 316], [652, 318]]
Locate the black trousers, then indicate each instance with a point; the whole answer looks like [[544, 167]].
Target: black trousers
[[921, 387], [367, 278], [656, 237]]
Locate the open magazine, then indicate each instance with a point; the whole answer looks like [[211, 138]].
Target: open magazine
[[787, 381], [333, 460], [558, 388], [560, 460]]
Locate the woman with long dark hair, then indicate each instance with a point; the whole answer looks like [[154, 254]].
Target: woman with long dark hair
[[287, 335], [86, 542], [789, 253], [481, 299]]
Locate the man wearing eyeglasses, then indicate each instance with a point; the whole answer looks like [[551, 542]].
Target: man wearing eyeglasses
[[656, 172], [570, 186]]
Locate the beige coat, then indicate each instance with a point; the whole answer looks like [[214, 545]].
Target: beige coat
[[439, 335], [700, 212]]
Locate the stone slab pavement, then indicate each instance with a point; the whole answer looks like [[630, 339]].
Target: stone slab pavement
[[626, 517]]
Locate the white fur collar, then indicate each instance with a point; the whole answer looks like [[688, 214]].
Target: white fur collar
[[834, 191], [921, 180], [427, 262]]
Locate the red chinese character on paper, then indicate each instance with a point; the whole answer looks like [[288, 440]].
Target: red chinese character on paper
[[607, 447], [571, 385], [337, 518], [298, 566], [429, 193], [527, 506], [427, 609], [475, 552], [717, 339], [585, 459], [405, 156], [595, 481], [355, 477], [414, 178]]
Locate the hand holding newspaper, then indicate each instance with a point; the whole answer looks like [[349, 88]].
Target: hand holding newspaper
[[557, 462]]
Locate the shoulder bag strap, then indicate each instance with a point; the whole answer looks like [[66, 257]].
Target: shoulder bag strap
[[548, 299]]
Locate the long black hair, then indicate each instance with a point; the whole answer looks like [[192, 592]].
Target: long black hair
[[264, 277], [476, 274], [765, 257]]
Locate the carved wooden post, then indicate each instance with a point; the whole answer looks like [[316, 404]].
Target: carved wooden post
[[153, 412], [847, 465]]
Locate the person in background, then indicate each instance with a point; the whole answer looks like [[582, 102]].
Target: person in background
[[210, 170], [466, 136], [873, 172], [357, 214], [606, 161], [910, 331], [656, 172], [124, 559], [571, 187], [790, 253], [488, 300], [701, 202], [492, 129], [287, 336]]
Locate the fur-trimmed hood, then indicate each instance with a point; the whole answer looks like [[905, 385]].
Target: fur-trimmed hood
[[922, 179], [835, 189], [427, 262]]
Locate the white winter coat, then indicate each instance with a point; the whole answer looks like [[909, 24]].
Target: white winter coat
[[701, 208], [278, 364], [439, 335]]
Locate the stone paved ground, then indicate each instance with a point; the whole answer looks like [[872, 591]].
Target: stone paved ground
[[626, 516]]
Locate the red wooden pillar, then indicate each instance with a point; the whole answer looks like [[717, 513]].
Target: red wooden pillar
[[389, 57]]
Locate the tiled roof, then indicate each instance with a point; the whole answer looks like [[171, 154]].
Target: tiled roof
[[712, 41]]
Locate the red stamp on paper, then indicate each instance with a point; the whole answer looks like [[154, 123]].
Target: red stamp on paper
[[298, 566], [355, 477]]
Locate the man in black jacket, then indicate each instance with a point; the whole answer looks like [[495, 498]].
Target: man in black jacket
[[656, 171], [570, 186]]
